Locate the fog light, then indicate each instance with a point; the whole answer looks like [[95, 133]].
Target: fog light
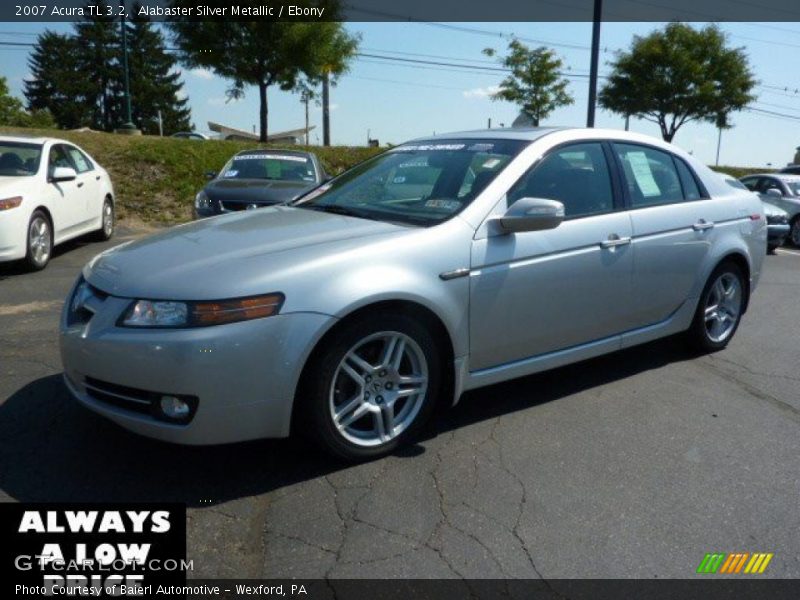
[[175, 408]]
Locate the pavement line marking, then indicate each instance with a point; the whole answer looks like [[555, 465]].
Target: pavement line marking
[[28, 307], [784, 251]]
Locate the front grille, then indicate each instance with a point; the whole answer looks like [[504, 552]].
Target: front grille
[[234, 206], [777, 220], [133, 399]]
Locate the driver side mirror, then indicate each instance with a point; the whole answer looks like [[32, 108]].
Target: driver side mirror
[[774, 193], [211, 174], [62, 174], [532, 214]]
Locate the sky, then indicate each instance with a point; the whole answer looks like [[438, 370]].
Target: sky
[[393, 101]]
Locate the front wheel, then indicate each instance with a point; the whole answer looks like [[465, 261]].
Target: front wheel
[[794, 232], [371, 387], [39, 242], [720, 309]]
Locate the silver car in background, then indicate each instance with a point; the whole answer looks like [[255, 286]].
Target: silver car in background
[[781, 190], [442, 265]]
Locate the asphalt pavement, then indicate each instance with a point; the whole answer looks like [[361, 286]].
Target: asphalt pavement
[[631, 465]]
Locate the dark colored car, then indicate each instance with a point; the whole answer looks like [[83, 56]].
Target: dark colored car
[[257, 178], [791, 170]]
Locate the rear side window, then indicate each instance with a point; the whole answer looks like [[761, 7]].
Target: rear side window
[[576, 175], [650, 175], [751, 183], [79, 159], [691, 191]]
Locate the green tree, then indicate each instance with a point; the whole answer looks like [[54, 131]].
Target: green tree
[[535, 82], [56, 84], [265, 53], [13, 114], [155, 83], [678, 75], [99, 64]]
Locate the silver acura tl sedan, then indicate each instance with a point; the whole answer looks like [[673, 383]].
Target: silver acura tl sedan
[[439, 266]]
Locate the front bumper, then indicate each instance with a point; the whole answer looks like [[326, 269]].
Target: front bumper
[[243, 375], [776, 233], [13, 233]]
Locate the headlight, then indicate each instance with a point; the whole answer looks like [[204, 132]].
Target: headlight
[[7, 203], [162, 313], [201, 200]]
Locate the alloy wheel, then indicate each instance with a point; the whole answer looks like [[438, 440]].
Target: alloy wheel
[[108, 219], [723, 307], [795, 233], [378, 388], [39, 240]]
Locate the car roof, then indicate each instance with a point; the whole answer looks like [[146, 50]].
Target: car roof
[[504, 133], [256, 151], [29, 139], [789, 177]]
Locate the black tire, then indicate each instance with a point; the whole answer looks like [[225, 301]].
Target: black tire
[[34, 259], [106, 230], [794, 232], [322, 381], [699, 334]]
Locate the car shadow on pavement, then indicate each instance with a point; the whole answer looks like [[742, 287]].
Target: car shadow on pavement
[[55, 450]]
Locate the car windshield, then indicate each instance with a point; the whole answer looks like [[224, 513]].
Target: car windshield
[[265, 165], [19, 159], [420, 183]]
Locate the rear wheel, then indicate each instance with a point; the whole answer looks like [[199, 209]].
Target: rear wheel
[[372, 387], [106, 222], [39, 241], [720, 309]]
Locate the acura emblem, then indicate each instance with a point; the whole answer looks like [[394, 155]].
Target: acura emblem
[[252, 206]]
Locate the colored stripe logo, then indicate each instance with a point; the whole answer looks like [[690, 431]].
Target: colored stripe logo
[[735, 562]]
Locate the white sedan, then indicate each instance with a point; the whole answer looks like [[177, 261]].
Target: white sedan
[[50, 191]]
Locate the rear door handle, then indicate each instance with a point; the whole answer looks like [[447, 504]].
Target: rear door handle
[[614, 240], [97, 177], [80, 184]]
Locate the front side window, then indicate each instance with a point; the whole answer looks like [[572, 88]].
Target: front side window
[[420, 183], [751, 183], [794, 187], [270, 165], [58, 158], [771, 184], [19, 159], [576, 175], [650, 175]]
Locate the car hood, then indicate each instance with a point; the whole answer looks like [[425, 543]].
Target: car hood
[[228, 256], [255, 191], [772, 210]]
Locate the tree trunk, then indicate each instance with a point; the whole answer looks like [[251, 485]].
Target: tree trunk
[[264, 111]]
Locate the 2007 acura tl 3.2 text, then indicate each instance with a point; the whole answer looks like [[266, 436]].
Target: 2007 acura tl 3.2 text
[[442, 265]]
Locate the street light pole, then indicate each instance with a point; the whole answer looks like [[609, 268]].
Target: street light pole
[[597, 18], [127, 126]]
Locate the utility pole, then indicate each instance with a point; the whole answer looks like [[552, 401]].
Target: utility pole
[[160, 124], [627, 122], [326, 121], [719, 144], [306, 99], [598, 16]]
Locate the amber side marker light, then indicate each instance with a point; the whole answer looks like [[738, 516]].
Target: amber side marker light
[[230, 311], [7, 203]]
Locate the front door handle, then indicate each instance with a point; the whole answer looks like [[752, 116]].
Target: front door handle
[[97, 177], [703, 225], [80, 184], [614, 240]]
